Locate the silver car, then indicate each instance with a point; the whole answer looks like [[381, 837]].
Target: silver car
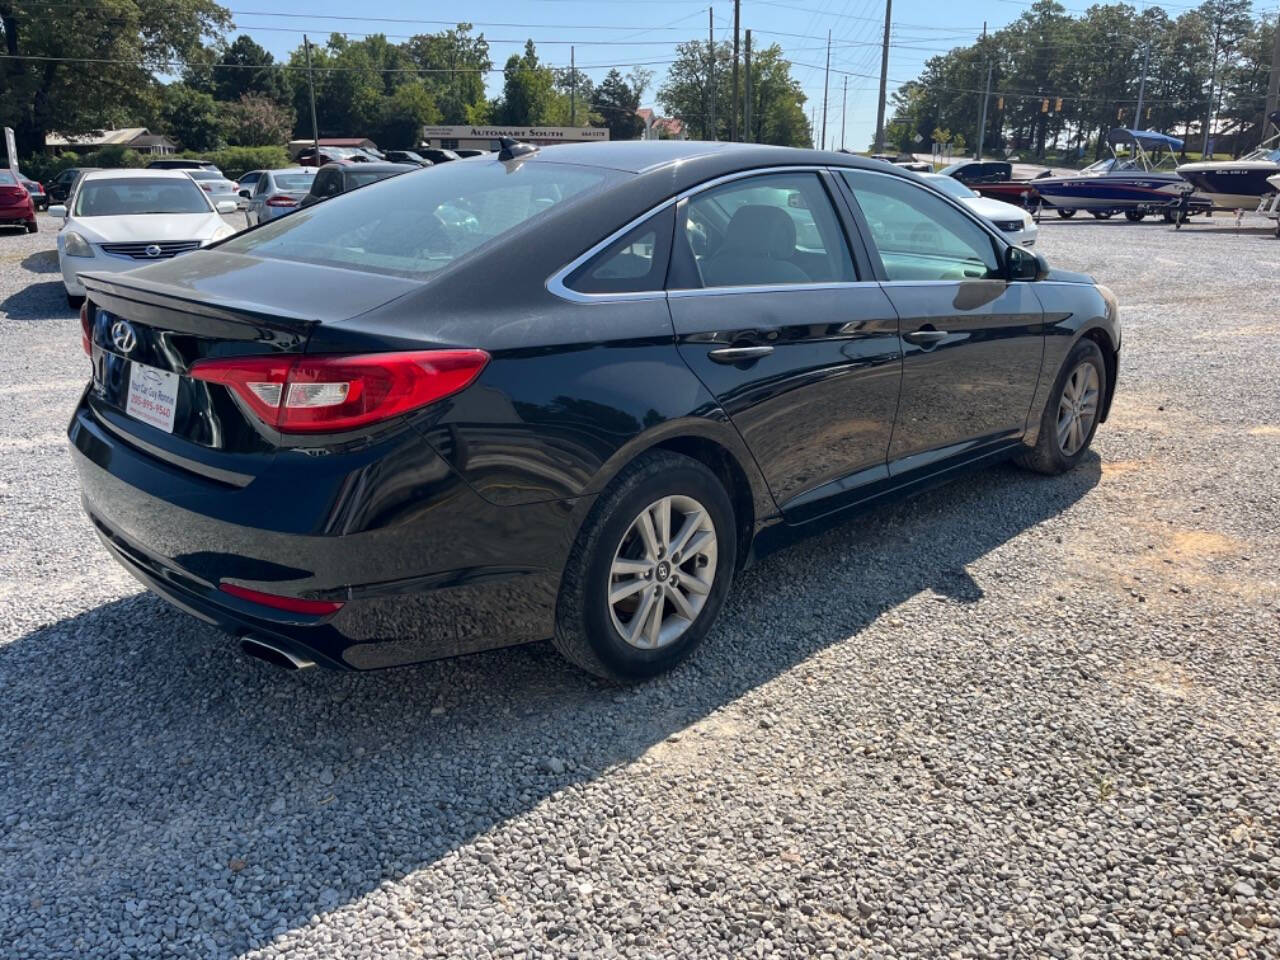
[[215, 185], [278, 192]]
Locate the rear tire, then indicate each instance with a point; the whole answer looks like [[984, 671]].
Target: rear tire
[[1081, 386], [33, 227], [611, 554], [1066, 213], [1102, 214], [1134, 216]]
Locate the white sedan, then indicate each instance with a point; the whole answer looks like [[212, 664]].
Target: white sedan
[[1014, 222], [121, 219]]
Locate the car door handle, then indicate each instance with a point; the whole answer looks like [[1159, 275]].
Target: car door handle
[[926, 338], [738, 354]]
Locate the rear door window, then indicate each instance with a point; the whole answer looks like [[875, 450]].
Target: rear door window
[[772, 229]]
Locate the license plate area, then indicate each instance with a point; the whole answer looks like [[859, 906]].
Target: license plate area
[[153, 395], [143, 392]]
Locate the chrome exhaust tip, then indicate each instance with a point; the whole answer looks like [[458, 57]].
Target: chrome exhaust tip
[[268, 652]]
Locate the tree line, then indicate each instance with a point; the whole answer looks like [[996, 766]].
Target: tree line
[[1060, 82], [74, 68]]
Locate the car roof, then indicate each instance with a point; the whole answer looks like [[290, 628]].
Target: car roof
[[374, 167], [294, 170], [644, 156], [132, 173]]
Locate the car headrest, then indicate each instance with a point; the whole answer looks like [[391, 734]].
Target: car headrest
[[762, 230]]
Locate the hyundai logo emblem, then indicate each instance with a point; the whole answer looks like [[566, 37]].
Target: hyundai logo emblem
[[152, 250], [123, 337]]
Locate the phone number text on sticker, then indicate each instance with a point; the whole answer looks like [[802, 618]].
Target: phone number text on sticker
[[153, 396]]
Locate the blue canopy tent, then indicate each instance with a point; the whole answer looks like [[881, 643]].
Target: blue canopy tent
[[1147, 139]]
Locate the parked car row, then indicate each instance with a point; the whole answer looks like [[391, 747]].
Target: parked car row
[[117, 220], [567, 393]]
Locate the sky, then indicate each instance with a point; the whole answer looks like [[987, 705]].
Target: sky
[[607, 33]]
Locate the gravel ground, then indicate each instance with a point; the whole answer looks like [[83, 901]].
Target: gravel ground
[[1017, 716]]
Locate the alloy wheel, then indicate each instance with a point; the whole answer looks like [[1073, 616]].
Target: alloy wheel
[[1077, 408], [662, 572]]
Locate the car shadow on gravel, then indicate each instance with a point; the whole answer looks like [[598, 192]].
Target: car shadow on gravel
[[156, 781], [37, 301], [44, 261]]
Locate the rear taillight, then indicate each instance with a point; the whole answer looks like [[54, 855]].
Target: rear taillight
[[296, 393], [207, 188], [280, 200], [86, 331], [275, 600]]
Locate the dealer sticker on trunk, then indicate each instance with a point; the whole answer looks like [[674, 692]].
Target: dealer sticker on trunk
[[153, 396]]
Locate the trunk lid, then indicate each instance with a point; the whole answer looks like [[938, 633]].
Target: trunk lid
[[149, 326]]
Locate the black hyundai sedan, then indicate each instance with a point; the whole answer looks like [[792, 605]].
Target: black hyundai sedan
[[564, 394]]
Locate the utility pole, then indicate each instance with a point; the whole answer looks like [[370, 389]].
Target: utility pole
[[1208, 108], [311, 87], [813, 125], [1273, 84], [1142, 86], [982, 124], [884, 77], [711, 68], [573, 90], [826, 82], [844, 109], [746, 105], [733, 109]]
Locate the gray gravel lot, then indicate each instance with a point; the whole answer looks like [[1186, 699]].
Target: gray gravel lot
[[1017, 716]]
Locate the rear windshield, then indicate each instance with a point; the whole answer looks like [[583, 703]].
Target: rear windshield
[[114, 198], [206, 174], [293, 181], [416, 224]]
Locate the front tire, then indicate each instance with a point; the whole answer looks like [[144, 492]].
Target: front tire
[[1066, 213], [650, 570], [1070, 416]]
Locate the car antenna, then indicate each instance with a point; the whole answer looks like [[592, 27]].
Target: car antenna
[[512, 148]]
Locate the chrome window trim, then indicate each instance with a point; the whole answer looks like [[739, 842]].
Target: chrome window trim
[[768, 288], [556, 282]]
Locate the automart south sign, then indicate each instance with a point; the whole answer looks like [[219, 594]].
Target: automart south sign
[[545, 134]]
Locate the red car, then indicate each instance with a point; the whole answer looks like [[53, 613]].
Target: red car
[[16, 208]]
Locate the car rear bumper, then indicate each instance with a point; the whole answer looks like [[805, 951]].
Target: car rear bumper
[[453, 575]]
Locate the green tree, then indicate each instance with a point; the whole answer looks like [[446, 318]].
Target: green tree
[[688, 94], [527, 89], [618, 102], [191, 117], [777, 110], [256, 120], [453, 65], [404, 114], [131, 40], [247, 68]]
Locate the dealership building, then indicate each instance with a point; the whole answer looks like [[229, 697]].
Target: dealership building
[[468, 137]]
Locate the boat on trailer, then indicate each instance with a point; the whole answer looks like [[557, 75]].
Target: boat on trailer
[[1137, 182], [1238, 184]]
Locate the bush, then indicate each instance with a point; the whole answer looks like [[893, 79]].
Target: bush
[[236, 161], [44, 166]]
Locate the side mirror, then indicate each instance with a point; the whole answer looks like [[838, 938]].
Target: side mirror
[[1022, 264], [58, 210], [227, 206], [245, 194]]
